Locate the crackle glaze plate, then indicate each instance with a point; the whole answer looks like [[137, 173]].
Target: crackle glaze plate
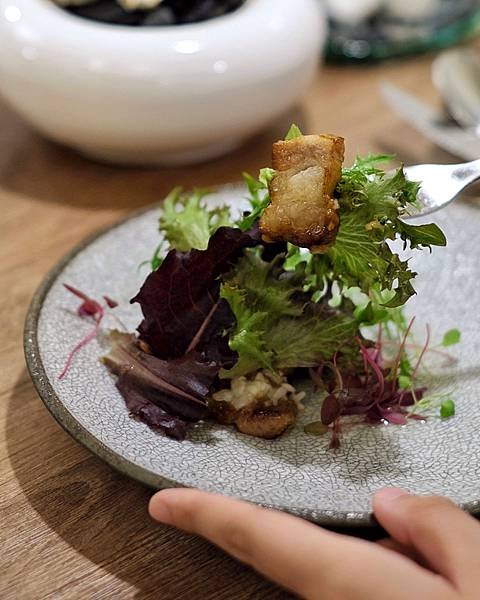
[[297, 472]]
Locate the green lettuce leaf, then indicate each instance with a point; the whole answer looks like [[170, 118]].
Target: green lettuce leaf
[[247, 339], [363, 258], [378, 200], [187, 223], [371, 204], [275, 327], [317, 336], [293, 133], [421, 235], [265, 288], [258, 197]]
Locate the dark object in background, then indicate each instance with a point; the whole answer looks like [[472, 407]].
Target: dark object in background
[[162, 15], [108, 11], [386, 34], [169, 12]]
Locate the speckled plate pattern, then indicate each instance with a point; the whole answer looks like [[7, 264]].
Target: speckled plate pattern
[[297, 472]]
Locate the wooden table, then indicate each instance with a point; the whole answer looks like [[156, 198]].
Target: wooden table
[[70, 527]]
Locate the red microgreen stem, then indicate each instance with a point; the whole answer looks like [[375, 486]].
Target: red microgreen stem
[[335, 439], [380, 342], [374, 366], [422, 353], [86, 340], [196, 338], [336, 370], [448, 357], [77, 293], [88, 308], [394, 371]]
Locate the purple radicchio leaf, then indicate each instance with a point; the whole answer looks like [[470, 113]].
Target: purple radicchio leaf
[[395, 417], [141, 407], [180, 301], [179, 386]]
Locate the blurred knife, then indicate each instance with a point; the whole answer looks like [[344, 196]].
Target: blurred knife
[[432, 123]]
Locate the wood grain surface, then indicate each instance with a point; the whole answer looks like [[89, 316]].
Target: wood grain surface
[[70, 527]]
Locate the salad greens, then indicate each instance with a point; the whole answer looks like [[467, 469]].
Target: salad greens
[[181, 302], [224, 304], [447, 408], [451, 338], [187, 224], [293, 132], [259, 198], [371, 206], [275, 329]]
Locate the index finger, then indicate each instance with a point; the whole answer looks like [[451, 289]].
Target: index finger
[[299, 555]]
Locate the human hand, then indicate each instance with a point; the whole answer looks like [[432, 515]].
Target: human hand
[[433, 551]]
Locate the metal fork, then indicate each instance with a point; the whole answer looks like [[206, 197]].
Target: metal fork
[[440, 184]]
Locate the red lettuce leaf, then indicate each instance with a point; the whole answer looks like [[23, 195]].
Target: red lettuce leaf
[[179, 386], [141, 407], [180, 301], [331, 409]]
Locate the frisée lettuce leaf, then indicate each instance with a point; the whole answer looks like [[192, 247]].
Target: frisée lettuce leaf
[[187, 223], [275, 327], [258, 197], [371, 204]]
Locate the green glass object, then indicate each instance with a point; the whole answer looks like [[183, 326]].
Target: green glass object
[[383, 36]]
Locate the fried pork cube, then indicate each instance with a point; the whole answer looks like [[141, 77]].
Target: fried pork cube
[[302, 209]]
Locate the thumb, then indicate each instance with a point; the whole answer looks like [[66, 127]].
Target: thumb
[[439, 531]]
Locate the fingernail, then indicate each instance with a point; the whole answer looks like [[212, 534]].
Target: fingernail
[[390, 494], [159, 510]]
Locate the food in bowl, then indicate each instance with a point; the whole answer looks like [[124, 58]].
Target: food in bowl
[[150, 12]]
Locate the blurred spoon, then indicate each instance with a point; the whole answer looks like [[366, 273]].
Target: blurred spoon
[[456, 75]]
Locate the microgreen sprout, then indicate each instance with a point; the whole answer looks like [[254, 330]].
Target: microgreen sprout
[[89, 308]]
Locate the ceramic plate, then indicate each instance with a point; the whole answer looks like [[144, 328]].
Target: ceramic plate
[[297, 472]]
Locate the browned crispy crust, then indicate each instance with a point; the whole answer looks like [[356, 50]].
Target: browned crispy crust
[[302, 209], [259, 420], [268, 422]]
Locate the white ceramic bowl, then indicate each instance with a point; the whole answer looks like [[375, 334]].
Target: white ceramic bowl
[[157, 95]]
